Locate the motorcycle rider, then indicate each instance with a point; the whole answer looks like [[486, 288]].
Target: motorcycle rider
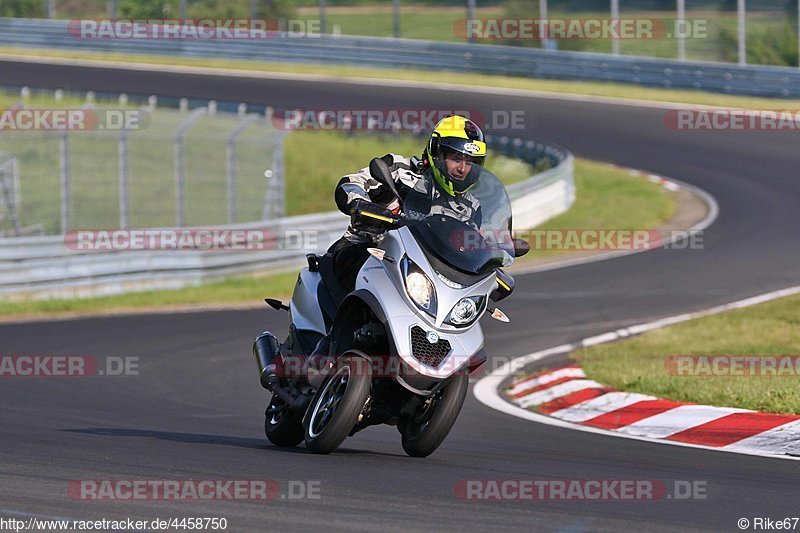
[[454, 158]]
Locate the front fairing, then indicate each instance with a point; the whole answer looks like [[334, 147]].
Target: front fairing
[[384, 279], [471, 240]]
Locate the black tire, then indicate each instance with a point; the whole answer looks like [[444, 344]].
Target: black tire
[[338, 402], [431, 423], [283, 428]]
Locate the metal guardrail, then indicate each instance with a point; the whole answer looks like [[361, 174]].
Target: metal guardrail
[[45, 267], [405, 53]]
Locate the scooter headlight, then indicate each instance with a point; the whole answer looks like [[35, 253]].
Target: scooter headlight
[[419, 287], [465, 311]]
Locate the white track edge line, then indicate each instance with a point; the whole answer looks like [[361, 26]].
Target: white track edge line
[[710, 218], [486, 390]]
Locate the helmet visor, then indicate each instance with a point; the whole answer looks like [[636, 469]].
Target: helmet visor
[[459, 169]]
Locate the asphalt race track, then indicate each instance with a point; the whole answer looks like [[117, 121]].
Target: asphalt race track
[[196, 409]]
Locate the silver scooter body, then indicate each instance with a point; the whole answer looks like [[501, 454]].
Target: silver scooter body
[[384, 280]]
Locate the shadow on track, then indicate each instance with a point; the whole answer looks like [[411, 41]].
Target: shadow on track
[[217, 440]]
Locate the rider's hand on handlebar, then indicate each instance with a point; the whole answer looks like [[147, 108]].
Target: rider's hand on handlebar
[[371, 217]]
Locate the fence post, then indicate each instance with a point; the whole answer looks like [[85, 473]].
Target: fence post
[[66, 190], [9, 191], [742, 40], [544, 26], [124, 184], [275, 197], [614, 16], [180, 166], [17, 182], [230, 165], [396, 16], [681, 27], [280, 178], [470, 16]]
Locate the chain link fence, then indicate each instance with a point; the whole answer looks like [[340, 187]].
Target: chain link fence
[[172, 168]]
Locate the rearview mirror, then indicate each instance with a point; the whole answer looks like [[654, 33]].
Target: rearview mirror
[[379, 170], [521, 247]]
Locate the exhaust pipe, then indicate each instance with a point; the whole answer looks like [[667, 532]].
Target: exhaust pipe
[[266, 349]]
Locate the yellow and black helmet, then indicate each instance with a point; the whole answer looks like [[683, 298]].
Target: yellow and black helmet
[[456, 135]]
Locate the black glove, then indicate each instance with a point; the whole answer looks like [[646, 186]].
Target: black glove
[[370, 217]]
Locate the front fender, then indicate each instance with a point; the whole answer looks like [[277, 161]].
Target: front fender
[[355, 309]]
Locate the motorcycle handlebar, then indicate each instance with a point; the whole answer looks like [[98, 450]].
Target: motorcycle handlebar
[[375, 215]]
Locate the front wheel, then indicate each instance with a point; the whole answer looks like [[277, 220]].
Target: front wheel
[[433, 419], [282, 427], [337, 404]]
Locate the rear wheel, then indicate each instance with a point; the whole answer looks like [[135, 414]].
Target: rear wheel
[[433, 419], [282, 427], [338, 402]]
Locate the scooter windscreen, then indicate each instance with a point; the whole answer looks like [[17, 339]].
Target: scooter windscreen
[[471, 231]]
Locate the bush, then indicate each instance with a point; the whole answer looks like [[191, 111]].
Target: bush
[[22, 8], [273, 9], [148, 9], [766, 46]]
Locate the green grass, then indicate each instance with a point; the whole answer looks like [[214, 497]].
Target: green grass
[[603, 89], [240, 289], [317, 160], [610, 198], [600, 182], [94, 171], [430, 23], [717, 43], [769, 26], [769, 329]]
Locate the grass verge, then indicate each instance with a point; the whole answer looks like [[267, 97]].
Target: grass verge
[[240, 289], [604, 89], [94, 171], [637, 204], [640, 364], [316, 161], [608, 197]]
